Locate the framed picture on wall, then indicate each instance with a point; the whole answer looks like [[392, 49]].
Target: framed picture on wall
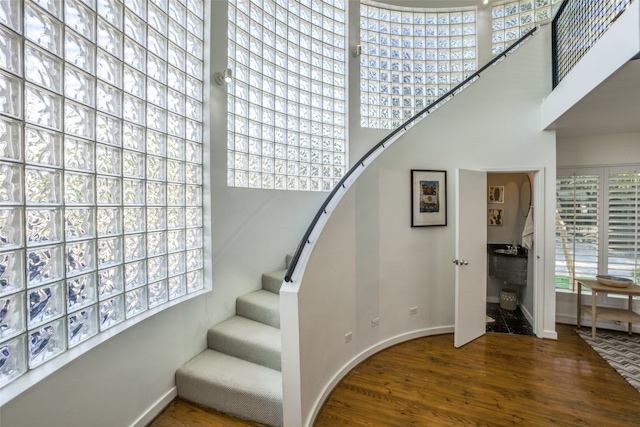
[[428, 198], [495, 217], [496, 194]]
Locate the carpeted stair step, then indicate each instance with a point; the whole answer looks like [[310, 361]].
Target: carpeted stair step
[[247, 339], [232, 385], [273, 281], [261, 306]]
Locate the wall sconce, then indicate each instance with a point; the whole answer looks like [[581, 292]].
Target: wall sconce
[[357, 51], [224, 77]]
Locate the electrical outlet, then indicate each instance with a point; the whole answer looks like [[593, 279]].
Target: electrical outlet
[[413, 310], [375, 322], [348, 336]]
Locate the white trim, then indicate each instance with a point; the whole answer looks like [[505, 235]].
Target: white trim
[[155, 409], [370, 352]]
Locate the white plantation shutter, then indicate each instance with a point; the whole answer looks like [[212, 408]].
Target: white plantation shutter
[[623, 224], [577, 199]]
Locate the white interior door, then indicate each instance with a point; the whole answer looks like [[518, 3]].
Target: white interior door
[[471, 256]]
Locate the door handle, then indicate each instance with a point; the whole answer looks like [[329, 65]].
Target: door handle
[[460, 261]]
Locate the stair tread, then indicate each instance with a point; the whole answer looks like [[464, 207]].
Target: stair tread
[[272, 281], [262, 306], [232, 385]]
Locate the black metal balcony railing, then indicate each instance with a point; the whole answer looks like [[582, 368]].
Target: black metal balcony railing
[[577, 26], [342, 184]]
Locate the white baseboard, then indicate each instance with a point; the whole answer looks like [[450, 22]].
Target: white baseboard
[[155, 409]]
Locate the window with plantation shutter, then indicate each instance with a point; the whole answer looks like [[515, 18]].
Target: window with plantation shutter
[[623, 224], [577, 203]]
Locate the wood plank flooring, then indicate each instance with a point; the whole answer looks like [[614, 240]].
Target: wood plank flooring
[[497, 380]]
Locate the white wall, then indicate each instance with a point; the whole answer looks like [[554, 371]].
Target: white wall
[[128, 379], [369, 262]]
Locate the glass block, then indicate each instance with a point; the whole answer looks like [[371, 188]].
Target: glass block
[[176, 79], [81, 292], [43, 147], [80, 257], [10, 184], [157, 68], [10, 95], [193, 173], [80, 18], [11, 14], [135, 302], [109, 252], [133, 165], [46, 342], [156, 118], [134, 247], [133, 191], [156, 168], [79, 189], [11, 272], [79, 120], [195, 46], [175, 240], [195, 281], [156, 143], [109, 191], [156, 268], [194, 259], [156, 243], [175, 195], [134, 82], [176, 34], [193, 195], [44, 186], [135, 274], [42, 29], [158, 293], [177, 286], [109, 69], [110, 282], [156, 219], [156, 43], [79, 86], [108, 130], [109, 221], [194, 238], [134, 219], [111, 312], [44, 226], [175, 217], [41, 68], [109, 99], [194, 217], [79, 52], [133, 110], [133, 137], [112, 11], [175, 263], [156, 93], [13, 317], [194, 109], [157, 19], [175, 171], [82, 325], [193, 152], [156, 193], [194, 88], [10, 139], [12, 360], [45, 304], [108, 160], [176, 56], [110, 39], [79, 223], [175, 125]]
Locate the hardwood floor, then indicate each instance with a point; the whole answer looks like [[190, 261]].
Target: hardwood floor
[[497, 380]]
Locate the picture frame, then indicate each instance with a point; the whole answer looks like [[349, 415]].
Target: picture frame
[[496, 194], [495, 217], [428, 198]]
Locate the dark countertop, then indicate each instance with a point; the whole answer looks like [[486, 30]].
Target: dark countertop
[[491, 247]]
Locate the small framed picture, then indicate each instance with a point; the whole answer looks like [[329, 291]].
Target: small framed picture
[[428, 198], [495, 217], [496, 194]]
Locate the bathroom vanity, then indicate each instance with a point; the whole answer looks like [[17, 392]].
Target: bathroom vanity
[[508, 265]]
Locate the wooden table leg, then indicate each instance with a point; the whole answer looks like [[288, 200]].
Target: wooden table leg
[[593, 313], [630, 309], [579, 303]]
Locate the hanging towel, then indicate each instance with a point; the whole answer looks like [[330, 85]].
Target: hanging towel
[[527, 233]]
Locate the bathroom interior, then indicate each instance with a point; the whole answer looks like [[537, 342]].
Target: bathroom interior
[[509, 253]]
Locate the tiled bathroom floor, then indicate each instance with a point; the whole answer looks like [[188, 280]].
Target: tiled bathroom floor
[[506, 321]]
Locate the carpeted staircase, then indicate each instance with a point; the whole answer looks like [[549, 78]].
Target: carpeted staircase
[[239, 372]]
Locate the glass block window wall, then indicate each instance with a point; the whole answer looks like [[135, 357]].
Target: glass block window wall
[[512, 20], [100, 168], [409, 59], [287, 102]]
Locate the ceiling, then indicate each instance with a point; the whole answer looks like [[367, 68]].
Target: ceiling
[[612, 107]]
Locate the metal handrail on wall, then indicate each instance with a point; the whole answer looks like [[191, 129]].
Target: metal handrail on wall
[[342, 184]]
